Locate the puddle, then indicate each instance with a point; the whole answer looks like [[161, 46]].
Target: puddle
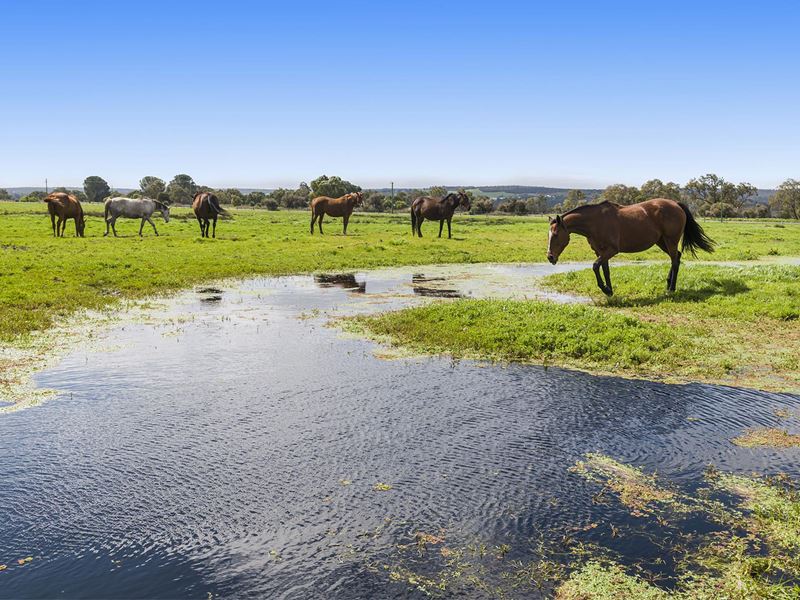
[[233, 448]]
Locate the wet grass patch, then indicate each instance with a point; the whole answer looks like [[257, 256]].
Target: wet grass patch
[[729, 325]]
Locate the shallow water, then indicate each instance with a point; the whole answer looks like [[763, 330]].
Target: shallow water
[[231, 447]]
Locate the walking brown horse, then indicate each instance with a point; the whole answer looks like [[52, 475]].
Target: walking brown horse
[[611, 229], [437, 209], [334, 207], [206, 208], [65, 206]]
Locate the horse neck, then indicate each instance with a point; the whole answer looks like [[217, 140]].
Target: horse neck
[[581, 222]]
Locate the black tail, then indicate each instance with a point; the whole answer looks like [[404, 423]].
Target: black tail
[[213, 202], [693, 235]]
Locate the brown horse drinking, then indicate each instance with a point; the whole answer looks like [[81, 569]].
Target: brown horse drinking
[[65, 206], [206, 208], [436, 209], [334, 207], [611, 229]]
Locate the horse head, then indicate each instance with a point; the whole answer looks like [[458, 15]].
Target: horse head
[[358, 198], [463, 200], [163, 209], [557, 239]]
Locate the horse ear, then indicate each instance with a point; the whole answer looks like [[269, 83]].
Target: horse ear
[[558, 219]]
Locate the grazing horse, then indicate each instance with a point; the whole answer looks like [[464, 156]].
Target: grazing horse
[[206, 208], [334, 207], [65, 206], [133, 208], [611, 229], [436, 209]]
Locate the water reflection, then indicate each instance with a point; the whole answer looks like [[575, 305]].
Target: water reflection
[[421, 285], [345, 281]]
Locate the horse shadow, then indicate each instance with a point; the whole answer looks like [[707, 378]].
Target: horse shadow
[[722, 286]]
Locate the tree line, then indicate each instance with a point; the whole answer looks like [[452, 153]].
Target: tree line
[[708, 195]]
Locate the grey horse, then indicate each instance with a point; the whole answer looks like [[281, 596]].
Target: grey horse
[[134, 208]]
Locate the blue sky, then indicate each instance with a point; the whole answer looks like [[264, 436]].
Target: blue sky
[[258, 94]]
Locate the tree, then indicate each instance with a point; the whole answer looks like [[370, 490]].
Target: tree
[[513, 206], [270, 204], [483, 205], [4, 195], [255, 198], [230, 196], [536, 205], [374, 202], [709, 190], [785, 202], [437, 191], [77, 193], [35, 196], [655, 188], [96, 188], [621, 194], [151, 186], [181, 189], [333, 187], [292, 198], [574, 199]]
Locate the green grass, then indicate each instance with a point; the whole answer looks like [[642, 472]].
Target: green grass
[[725, 324], [45, 280]]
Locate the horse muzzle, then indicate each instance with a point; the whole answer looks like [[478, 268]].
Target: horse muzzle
[[553, 260]]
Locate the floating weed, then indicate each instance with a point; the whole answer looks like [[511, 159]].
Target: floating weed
[[345, 482], [767, 437], [782, 413], [381, 487], [636, 490]]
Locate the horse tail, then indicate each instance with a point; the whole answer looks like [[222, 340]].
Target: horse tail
[[105, 210], [693, 235], [213, 202], [413, 220]]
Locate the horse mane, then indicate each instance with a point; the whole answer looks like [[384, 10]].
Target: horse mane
[[583, 207]]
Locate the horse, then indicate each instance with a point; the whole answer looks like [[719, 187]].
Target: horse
[[427, 207], [611, 229], [334, 207], [65, 206], [133, 208], [206, 208]]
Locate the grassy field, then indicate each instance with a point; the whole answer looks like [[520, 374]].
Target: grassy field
[[724, 324], [44, 280], [737, 325]]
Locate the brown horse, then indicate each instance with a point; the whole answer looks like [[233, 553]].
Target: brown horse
[[437, 209], [334, 207], [206, 208], [611, 229], [65, 206]]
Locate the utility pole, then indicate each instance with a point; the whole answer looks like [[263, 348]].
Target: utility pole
[[46, 189]]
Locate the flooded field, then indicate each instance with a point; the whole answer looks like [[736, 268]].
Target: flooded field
[[235, 445]]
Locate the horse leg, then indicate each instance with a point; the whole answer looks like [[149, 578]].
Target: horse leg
[[596, 268], [150, 220], [420, 219], [76, 228], [141, 226], [200, 222], [313, 220], [214, 228], [607, 275], [672, 274], [676, 265], [53, 223], [319, 223], [441, 224], [61, 226], [114, 225], [107, 222], [449, 232], [345, 219]]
